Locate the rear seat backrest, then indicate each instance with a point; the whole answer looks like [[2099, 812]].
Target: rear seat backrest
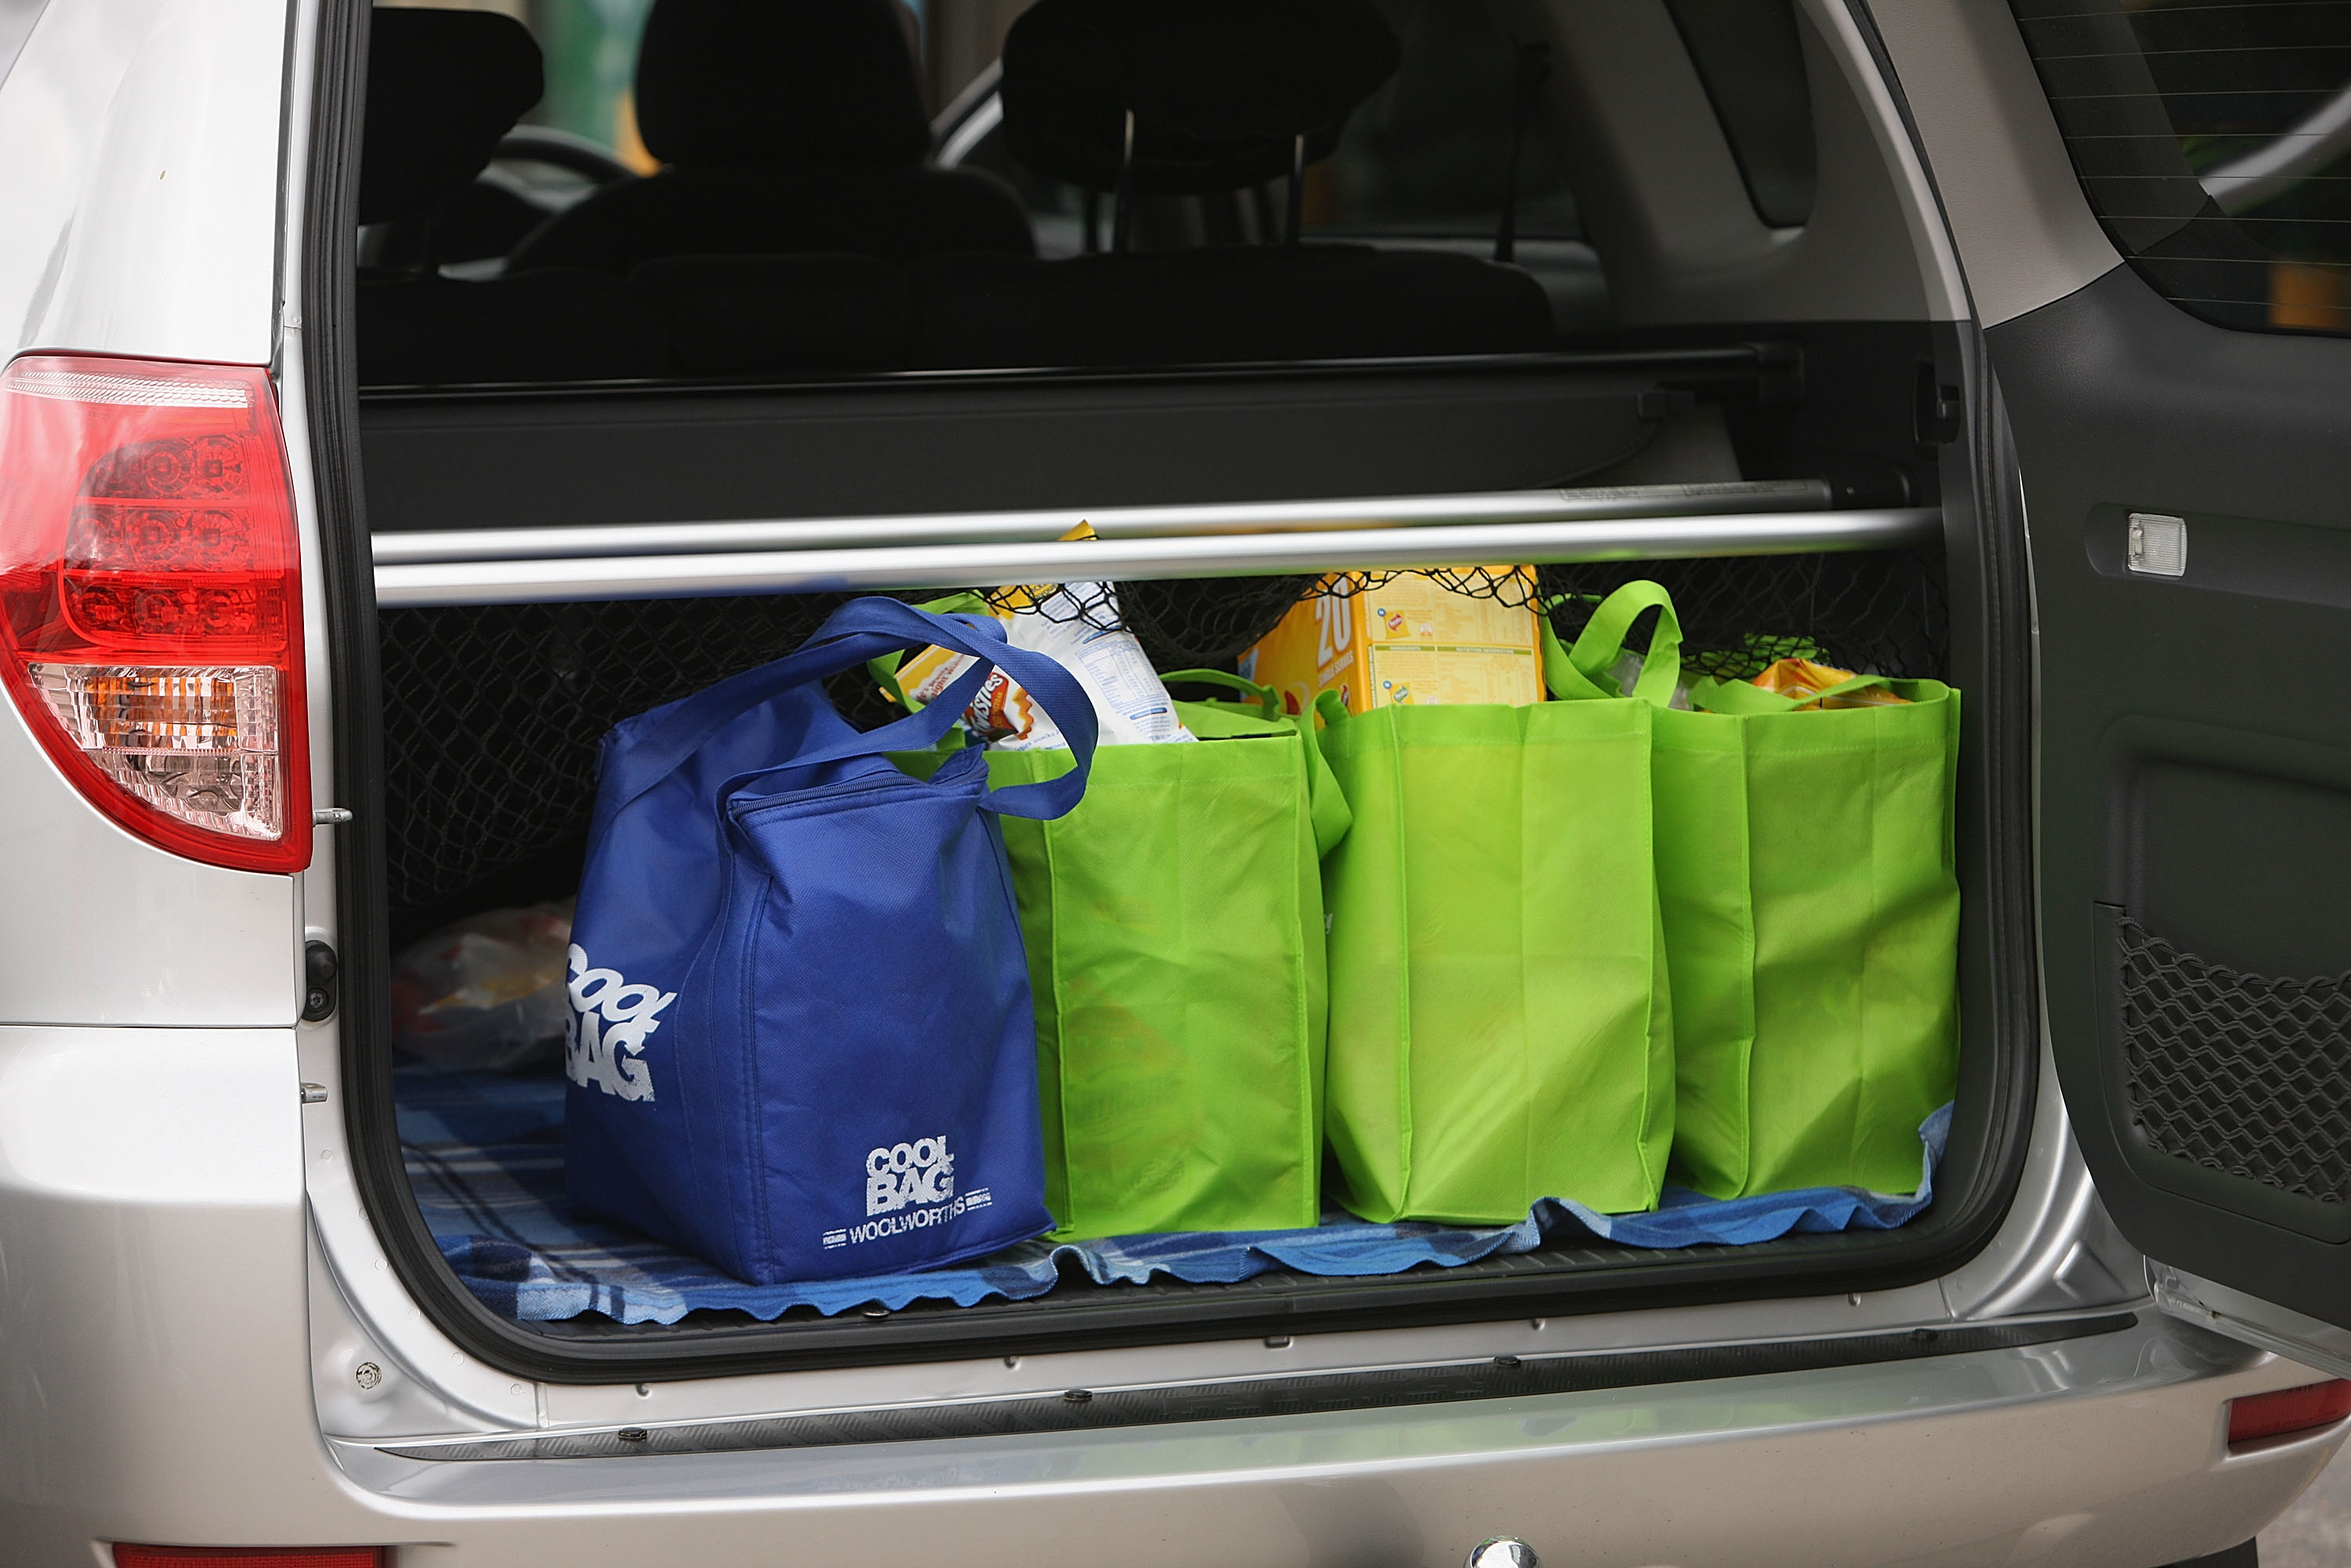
[[560, 324], [727, 315], [785, 126], [443, 88], [1225, 306], [1220, 90]]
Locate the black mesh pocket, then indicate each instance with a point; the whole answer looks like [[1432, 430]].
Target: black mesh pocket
[[1882, 612], [2238, 1073], [492, 714]]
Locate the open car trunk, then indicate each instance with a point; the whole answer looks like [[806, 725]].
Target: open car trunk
[[1615, 292], [492, 710]]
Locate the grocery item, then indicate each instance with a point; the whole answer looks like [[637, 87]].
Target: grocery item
[[1131, 704], [1411, 641], [1806, 872], [486, 993], [1173, 925], [1500, 1027], [803, 1045], [1819, 685]]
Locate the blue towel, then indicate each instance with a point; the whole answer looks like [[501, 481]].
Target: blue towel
[[485, 1152]]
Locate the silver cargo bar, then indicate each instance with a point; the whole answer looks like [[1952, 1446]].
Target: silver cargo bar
[[659, 560]]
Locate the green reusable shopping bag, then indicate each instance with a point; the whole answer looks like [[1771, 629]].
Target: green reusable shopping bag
[[1812, 909], [1499, 1021], [1173, 927]]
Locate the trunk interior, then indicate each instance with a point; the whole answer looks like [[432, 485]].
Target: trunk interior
[[482, 720], [492, 715]]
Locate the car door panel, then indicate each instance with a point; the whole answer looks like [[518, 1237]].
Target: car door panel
[[2195, 774]]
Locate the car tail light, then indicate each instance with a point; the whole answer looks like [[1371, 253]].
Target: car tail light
[[2273, 1415], [151, 607], [252, 1556]]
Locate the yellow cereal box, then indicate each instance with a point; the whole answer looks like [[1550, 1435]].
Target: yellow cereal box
[[1412, 640]]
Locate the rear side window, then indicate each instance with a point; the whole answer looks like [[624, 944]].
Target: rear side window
[[1430, 155], [2213, 140], [1747, 54]]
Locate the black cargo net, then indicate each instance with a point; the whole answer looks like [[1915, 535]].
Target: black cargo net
[[1879, 613], [492, 714], [2237, 1073]]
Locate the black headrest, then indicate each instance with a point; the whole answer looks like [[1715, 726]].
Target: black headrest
[[443, 87], [1221, 88], [779, 84]]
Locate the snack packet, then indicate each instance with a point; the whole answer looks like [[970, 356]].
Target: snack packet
[[1131, 702], [1803, 678]]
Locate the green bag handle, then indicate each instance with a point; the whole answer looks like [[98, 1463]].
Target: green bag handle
[[1332, 817], [884, 670], [1582, 672], [1740, 697], [1269, 701]]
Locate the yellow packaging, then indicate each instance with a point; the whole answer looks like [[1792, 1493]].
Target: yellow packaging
[[1803, 678], [1410, 641]]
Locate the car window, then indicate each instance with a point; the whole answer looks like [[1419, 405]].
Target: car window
[[1424, 163], [2213, 140], [719, 188], [1747, 54], [1427, 155]]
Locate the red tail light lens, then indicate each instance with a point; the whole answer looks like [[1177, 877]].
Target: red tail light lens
[[251, 1556], [151, 600], [2302, 1409]]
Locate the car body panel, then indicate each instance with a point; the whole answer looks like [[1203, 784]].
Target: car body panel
[[16, 19], [2110, 1445], [2006, 189], [154, 1382], [141, 186], [141, 191], [2057, 1249], [99, 927], [2241, 421], [2209, 1304], [1665, 205]]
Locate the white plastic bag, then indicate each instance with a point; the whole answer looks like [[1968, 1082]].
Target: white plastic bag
[[486, 993], [1131, 702]]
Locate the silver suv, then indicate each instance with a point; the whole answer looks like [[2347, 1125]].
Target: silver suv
[[2002, 343]]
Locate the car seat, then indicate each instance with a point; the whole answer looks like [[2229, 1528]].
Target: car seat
[[1222, 94], [444, 83], [784, 126], [1144, 98], [792, 315], [443, 88]]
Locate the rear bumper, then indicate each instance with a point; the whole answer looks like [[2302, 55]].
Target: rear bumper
[[2104, 1450], [157, 1384]]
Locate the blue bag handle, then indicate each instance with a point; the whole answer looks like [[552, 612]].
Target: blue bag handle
[[866, 629]]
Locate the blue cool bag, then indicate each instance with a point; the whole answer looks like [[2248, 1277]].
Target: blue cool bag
[[801, 1045]]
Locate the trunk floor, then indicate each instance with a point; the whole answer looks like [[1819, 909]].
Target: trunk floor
[[484, 1157]]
